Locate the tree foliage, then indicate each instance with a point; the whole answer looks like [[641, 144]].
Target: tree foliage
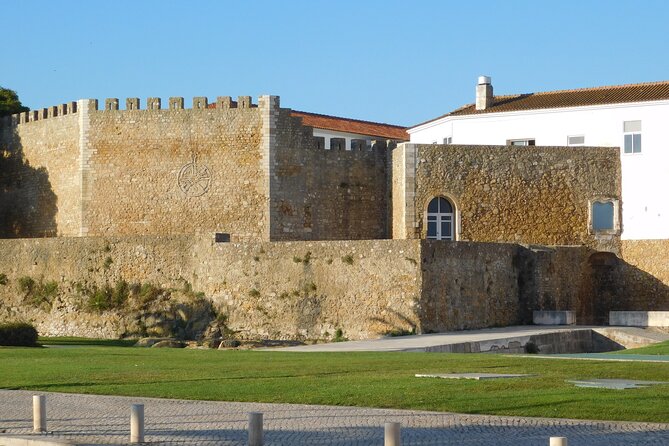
[[10, 103]]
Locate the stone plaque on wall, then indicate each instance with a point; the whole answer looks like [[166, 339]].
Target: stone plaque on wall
[[194, 179]]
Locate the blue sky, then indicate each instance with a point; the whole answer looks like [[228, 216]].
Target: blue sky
[[391, 61]]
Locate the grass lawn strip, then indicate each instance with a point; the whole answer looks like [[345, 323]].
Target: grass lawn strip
[[384, 380], [661, 348]]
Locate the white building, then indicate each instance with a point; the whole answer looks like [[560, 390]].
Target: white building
[[349, 134], [632, 117]]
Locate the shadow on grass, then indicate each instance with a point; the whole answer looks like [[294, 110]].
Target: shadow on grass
[[86, 342]]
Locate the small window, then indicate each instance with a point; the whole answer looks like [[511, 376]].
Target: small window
[[448, 140], [435, 142], [575, 140], [602, 216], [632, 137], [520, 142], [337, 143], [358, 144]]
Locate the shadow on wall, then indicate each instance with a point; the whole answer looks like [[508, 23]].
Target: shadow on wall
[[397, 324], [27, 201], [621, 286], [480, 285]]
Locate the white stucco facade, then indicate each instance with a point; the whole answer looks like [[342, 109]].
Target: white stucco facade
[[645, 175]]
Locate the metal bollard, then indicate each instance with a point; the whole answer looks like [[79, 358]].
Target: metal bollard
[[558, 441], [39, 413], [137, 423], [255, 429], [392, 434]]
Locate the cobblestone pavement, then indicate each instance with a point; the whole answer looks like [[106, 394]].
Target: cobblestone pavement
[[106, 419]]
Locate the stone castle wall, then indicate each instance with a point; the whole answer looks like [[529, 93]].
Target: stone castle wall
[[251, 171], [319, 194], [512, 194], [305, 289], [40, 173], [308, 290], [645, 270], [285, 290], [175, 171]]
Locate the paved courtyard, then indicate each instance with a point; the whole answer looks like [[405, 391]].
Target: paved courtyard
[[105, 419]]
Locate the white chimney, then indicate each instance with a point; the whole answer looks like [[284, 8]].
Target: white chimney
[[484, 97]]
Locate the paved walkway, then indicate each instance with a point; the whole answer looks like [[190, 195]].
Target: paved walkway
[[420, 342], [485, 339], [105, 419]]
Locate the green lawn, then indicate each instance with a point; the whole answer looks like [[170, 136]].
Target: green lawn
[[656, 349], [355, 379]]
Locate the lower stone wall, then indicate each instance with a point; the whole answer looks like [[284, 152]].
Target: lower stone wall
[[470, 285], [85, 262], [645, 269], [192, 286], [308, 290], [278, 290], [562, 281]]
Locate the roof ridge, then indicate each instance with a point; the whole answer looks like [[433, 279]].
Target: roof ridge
[[601, 87], [575, 97], [349, 119]]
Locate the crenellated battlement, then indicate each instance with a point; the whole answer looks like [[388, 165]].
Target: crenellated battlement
[[41, 114], [131, 104], [172, 103]]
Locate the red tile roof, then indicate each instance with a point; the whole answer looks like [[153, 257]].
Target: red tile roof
[[617, 94], [346, 125], [352, 125]]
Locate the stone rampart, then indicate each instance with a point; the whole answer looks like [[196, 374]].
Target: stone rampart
[[252, 171], [298, 290], [510, 194], [319, 194], [175, 171], [646, 271], [40, 165]]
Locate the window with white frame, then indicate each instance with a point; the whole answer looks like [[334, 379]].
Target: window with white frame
[[575, 140], [440, 219], [632, 137], [604, 216], [448, 140], [520, 142]]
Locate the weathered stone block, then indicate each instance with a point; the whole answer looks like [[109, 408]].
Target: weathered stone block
[[153, 104], [176, 103], [547, 317], [639, 318], [132, 104], [111, 104]]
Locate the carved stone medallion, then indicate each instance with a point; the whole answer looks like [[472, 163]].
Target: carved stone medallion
[[194, 179]]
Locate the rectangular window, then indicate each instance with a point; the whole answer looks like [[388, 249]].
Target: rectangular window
[[632, 137], [575, 140], [448, 140], [520, 142], [602, 216]]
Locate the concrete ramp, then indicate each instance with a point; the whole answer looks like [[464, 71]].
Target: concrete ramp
[[517, 339]]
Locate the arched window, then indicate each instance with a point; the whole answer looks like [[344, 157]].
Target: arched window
[[440, 218]]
